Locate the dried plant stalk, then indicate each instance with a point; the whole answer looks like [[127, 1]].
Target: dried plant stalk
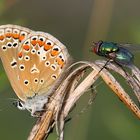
[[115, 86], [112, 83], [132, 81], [69, 92], [39, 131]]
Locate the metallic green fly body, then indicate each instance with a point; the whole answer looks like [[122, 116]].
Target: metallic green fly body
[[114, 51]]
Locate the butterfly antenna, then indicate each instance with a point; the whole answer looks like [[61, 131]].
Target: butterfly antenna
[[13, 99]]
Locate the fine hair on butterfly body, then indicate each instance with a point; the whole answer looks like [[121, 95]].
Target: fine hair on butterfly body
[[35, 63]]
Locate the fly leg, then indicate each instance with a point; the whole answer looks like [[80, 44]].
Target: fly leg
[[105, 65]]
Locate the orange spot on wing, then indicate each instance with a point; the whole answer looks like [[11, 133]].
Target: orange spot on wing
[[60, 62], [8, 34], [47, 47], [20, 54], [1, 37], [54, 52], [26, 47], [21, 37], [33, 42], [15, 36], [41, 43]]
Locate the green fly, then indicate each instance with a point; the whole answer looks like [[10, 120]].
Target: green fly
[[115, 52], [120, 55]]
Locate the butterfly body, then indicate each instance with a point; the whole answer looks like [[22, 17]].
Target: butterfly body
[[34, 63]]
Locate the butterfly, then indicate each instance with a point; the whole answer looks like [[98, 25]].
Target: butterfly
[[34, 63]]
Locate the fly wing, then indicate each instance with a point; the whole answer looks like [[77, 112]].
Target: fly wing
[[131, 47]]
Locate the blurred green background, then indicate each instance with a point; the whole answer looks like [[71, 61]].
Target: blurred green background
[[76, 23]]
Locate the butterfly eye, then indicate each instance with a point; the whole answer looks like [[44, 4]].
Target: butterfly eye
[[19, 105]]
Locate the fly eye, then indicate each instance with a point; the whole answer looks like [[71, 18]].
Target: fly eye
[[95, 50]]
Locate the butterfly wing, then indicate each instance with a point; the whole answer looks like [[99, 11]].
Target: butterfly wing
[[33, 61], [11, 37], [42, 60]]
